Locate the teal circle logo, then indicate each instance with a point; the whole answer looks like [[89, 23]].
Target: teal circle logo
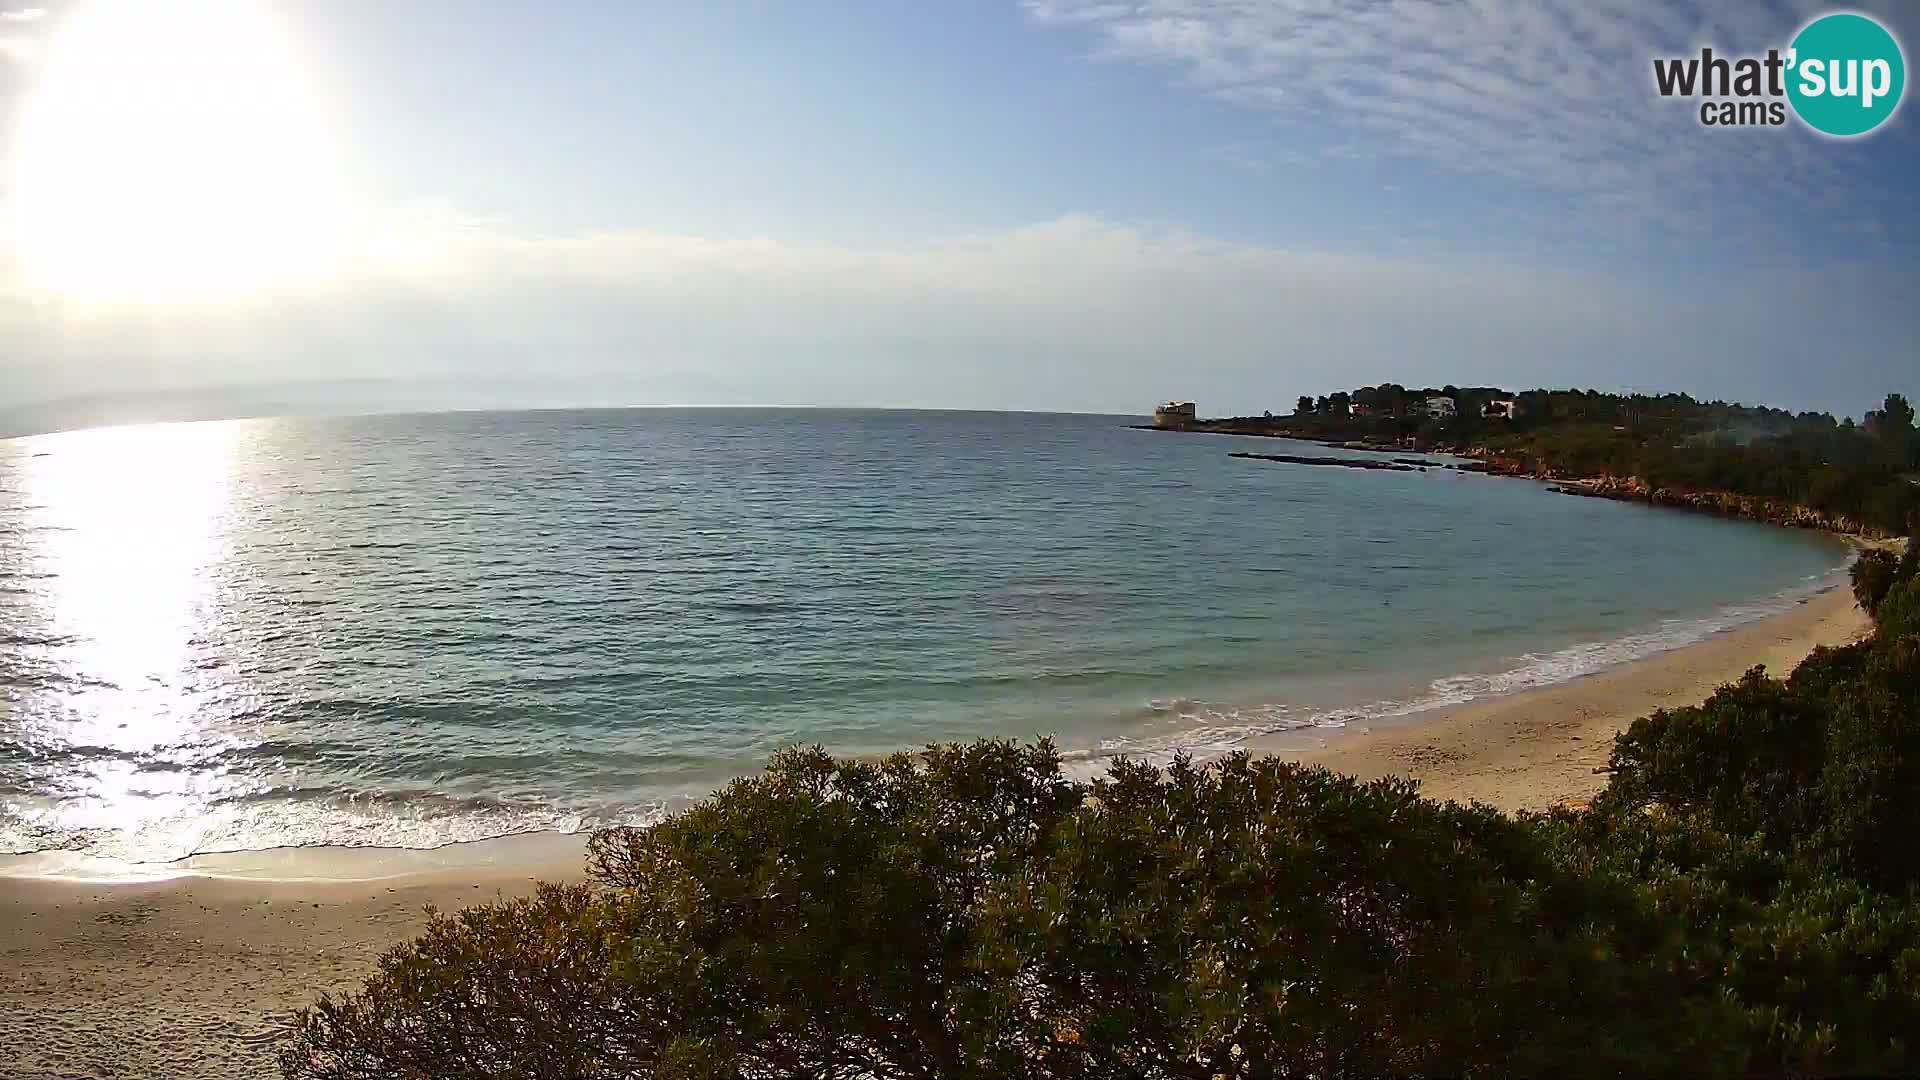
[[1845, 74]]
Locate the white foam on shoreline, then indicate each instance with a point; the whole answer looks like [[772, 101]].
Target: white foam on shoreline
[[1207, 730], [1199, 729], [225, 828]]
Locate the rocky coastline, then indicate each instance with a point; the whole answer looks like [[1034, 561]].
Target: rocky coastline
[[1619, 488], [1636, 489], [1723, 503]]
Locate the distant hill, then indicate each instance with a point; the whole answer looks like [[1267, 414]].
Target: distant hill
[[350, 397]]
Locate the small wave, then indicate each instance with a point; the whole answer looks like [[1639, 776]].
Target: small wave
[[406, 820], [1212, 730], [756, 607], [29, 680], [36, 641]]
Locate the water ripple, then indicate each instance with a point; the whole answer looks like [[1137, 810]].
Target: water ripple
[[412, 630]]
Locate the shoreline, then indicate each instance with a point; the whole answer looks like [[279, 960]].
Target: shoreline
[[328, 863], [1539, 747], [196, 969]]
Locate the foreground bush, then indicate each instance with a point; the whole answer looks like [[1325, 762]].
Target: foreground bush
[[516, 989], [969, 912], [1740, 901], [1872, 575], [1823, 768]]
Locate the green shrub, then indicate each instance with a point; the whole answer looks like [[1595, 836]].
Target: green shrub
[[1260, 919], [1872, 574], [1869, 786], [1829, 975], [1899, 614], [498, 992], [823, 917], [814, 921], [1748, 756], [1828, 669], [970, 913]]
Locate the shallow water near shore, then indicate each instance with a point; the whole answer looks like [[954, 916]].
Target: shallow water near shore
[[407, 631]]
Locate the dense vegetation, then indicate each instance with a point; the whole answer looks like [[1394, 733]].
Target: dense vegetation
[[1867, 473], [1743, 899]]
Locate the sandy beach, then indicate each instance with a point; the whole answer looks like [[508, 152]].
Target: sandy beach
[[1538, 748], [196, 975]]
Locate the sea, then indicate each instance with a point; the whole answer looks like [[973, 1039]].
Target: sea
[[409, 631]]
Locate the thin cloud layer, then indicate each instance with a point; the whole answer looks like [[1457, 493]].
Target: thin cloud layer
[[1548, 96], [1071, 313]]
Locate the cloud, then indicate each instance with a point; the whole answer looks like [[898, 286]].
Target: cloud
[[1554, 96], [18, 27], [21, 31], [1069, 313]]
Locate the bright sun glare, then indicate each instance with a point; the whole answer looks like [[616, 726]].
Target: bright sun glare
[[175, 153]]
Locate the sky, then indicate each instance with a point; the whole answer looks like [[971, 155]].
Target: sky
[[1076, 205]]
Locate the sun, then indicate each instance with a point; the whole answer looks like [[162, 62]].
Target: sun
[[175, 152]]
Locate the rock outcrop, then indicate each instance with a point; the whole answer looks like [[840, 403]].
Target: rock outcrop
[[1724, 503], [1636, 489]]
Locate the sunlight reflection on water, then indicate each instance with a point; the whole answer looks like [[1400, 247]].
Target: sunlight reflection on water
[[122, 530]]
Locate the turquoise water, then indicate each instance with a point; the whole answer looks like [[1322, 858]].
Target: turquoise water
[[409, 630]]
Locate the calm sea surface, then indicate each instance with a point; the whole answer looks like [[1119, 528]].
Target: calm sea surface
[[408, 630]]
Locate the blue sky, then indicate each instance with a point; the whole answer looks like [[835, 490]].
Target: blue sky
[[1071, 204]]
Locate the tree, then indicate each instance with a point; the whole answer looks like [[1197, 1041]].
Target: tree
[[1321, 406], [1893, 420], [1873, 574], [823, 919], [1340, 403], [1893, 425], [1303, 407]]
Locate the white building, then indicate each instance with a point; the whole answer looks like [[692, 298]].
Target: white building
[[1500, 409], [1440, 406]]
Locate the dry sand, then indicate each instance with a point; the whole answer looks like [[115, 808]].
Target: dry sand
[[196, 976], [1538, 748]]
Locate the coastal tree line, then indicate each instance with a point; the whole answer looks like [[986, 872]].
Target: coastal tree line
[[1866, 473], [1743, 899]]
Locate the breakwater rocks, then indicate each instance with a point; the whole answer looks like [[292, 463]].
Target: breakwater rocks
[[1345, 463], [1361, 444], [1450, 466], [1726, 504], [1396, 465]]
